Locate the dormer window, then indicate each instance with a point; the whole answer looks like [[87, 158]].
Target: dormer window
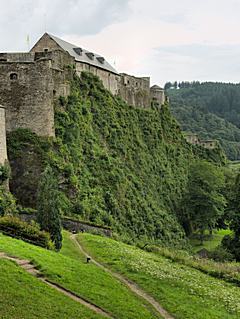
[[78, 51], [90, 55], [101, 59], [13, 76]]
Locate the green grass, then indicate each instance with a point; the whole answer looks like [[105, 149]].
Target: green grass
[[182, 290], [25, 297], [210, 243], [86, 280]]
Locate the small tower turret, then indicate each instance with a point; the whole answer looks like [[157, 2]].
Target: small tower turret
[[157, 94]]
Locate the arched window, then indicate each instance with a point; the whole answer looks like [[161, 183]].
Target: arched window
[[13, 76]]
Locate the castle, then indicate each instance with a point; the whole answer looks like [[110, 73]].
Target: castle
[[29, 83]]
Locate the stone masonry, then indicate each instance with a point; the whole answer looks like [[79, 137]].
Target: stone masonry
[[3, 144]]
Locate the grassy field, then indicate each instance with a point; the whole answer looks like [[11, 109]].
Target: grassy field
[[182, 290], [70, 270], [25, 297], [211, 243]]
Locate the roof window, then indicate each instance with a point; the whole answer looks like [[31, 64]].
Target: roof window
[[78, 51], [90, 55], [101, 59]]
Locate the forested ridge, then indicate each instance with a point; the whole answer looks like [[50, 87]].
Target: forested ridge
[[210, 109]]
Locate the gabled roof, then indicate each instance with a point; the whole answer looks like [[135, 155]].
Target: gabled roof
[[83, 55]]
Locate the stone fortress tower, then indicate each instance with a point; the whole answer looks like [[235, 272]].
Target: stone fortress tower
[[3, 143]]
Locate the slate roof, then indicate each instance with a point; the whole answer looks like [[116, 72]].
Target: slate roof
[[83, 55]]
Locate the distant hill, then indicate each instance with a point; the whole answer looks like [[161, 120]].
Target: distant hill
[[210, 109]]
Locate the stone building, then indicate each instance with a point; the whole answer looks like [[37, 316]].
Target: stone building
[[31, 81], [3, 144], [194, 139], [134, 90]]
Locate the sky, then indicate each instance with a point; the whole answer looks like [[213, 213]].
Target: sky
[[168, 40]]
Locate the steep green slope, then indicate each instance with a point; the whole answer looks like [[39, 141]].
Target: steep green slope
[[117, 165], [23, 296], [85, 280], [184, 292], [212, 110]]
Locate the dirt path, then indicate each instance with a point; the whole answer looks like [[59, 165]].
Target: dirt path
[[131, 285], [30, 268]]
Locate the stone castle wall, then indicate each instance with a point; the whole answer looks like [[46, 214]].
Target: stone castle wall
[[28, 88], [109, 80], [134, 90], [3, 144]]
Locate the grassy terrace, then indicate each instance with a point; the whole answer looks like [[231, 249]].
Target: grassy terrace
[[23, 296], [69, 270], [183, 291]]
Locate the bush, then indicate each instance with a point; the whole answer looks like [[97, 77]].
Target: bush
[[7, 202], [4, 173], [14, 227], [232, 244], [221, 255]]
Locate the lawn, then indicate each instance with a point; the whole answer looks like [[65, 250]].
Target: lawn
[[210, 243], [25, 297], [185, 292], [70, 270]]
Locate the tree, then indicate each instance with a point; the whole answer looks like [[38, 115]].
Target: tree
[[232, 242], [204, 203], [167, 86], [48, 207]]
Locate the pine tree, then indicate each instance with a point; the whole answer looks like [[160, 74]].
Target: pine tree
[[48, 207]]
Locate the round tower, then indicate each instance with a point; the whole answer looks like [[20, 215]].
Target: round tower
[[3, 142]]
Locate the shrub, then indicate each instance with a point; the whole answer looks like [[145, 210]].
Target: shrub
[[7, 202], [4, 173], [221, 255], [14, 227]]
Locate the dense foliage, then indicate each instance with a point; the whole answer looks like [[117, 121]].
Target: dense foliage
[[14, 227], [203, 202], [48, 207], [210, 109], [116, 165], [232, 242]]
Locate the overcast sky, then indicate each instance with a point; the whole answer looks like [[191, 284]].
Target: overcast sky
[[169, 40]]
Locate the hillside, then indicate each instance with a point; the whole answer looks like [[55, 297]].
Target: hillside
[[181, 291], [117, 165], [212, 110]]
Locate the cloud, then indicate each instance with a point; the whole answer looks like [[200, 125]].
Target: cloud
[[195, 62], [168, 40], [60, 17]]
